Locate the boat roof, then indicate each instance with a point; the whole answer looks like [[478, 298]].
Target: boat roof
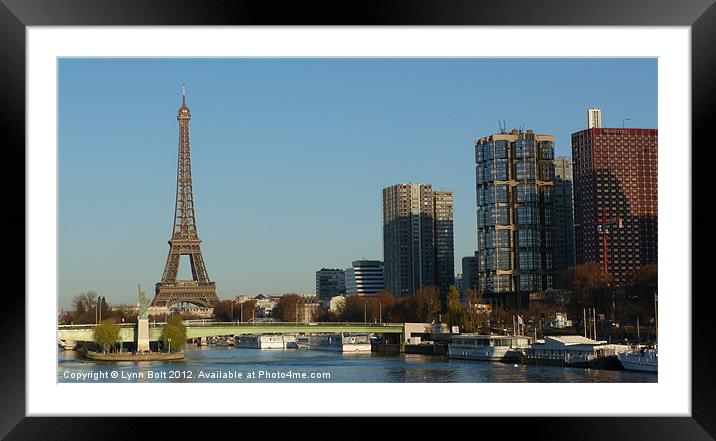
[[568, 340], [485, 336]]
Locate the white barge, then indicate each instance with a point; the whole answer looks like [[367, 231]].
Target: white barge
[[487, 347]]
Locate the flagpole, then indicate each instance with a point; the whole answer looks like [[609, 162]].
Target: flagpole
[[594, 312], [584, 320]]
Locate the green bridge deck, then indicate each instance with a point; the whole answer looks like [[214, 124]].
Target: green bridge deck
[[213, 329]]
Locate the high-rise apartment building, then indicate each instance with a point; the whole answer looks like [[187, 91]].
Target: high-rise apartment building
[[444, 241], [469, 274], [563, 215], [364, 278], [418, 245], [615, 198], [515, 212], [594, 118], [330, 283]]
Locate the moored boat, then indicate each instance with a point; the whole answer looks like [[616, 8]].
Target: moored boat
[[505, 348], [340, 342], [264, 341], [132, 356], [642, 360], [574, 351]]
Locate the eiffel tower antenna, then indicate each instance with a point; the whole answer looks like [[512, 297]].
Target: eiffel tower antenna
[[183, 94], [185, 239]]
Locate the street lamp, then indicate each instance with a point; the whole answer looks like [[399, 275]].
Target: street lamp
[[380, 311], [241, 317], [365, 311]]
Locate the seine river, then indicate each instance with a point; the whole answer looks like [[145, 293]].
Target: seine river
[[228, 364]]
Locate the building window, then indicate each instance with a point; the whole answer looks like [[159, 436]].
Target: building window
[[501, 149], [526, 193], [525, 170], [526, 215], [524, 148], [546, 149]]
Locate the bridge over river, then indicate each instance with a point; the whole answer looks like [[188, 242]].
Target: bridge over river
[[203, 329]]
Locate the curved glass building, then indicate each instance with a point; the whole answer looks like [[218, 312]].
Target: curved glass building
[[515, 212]]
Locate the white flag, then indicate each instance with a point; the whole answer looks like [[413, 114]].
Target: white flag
[[519, 320]]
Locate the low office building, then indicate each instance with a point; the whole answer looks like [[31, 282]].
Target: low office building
[[330, 283], [364, 278]]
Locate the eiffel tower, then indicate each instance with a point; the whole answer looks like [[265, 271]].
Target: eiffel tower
[[185, 240]]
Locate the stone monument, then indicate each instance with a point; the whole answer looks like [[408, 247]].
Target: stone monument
[[143, 323]]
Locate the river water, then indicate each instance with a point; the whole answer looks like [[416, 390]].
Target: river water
[[229, 364]]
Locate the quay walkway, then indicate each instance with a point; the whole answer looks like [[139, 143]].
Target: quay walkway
[[206, 328]]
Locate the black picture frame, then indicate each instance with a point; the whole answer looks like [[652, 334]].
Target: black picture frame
[[16, 15]]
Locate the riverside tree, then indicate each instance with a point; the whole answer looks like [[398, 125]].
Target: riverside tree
[[107, 333], [286, 308], [223, 311], [456, 314], [175, 332]]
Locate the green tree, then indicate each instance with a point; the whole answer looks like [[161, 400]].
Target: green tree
[[456, 315], [175, 332], [107, 333]]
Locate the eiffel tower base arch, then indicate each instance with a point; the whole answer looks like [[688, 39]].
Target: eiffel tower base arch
[[200, 294]]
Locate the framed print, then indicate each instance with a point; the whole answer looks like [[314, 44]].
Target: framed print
[[409, 211]]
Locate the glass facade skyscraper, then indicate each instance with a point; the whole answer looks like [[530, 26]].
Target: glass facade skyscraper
[[444, 242], [564, 215], [515, 212]]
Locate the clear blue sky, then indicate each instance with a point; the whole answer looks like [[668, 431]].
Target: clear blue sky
[[289, 156]]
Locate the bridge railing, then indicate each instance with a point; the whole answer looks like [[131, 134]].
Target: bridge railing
[[92, 325], [200, 322]]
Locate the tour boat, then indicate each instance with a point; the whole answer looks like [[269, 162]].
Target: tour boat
[[642, 359], [487, 347], [340, 343]]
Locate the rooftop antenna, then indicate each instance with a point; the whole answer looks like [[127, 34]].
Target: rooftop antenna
[[522, 128], [623, 122], [183, 94], [503, 126]]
